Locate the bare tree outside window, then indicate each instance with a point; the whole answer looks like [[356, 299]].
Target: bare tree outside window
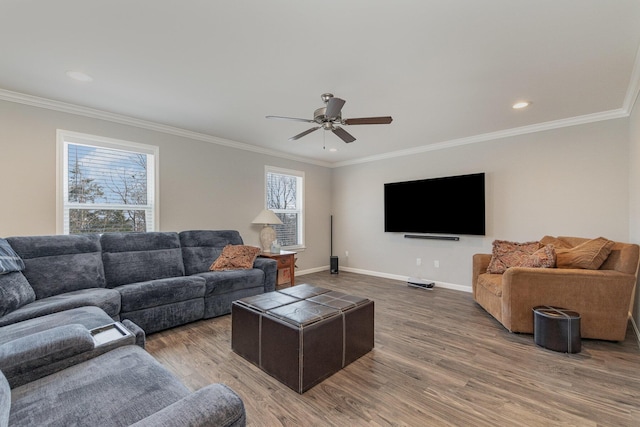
[[107, 190], [284, 199]]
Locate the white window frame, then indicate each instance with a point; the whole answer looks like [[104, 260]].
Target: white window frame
[[66, 137], [300, 210]]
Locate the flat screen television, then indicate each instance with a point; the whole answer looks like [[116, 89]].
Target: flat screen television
[[447, 205]]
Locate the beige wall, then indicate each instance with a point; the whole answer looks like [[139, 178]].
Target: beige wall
[[634, 193], [570, 181], [202, 185]]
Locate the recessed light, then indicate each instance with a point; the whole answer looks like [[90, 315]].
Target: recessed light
[[520, 104], [333, 150], [80, 76]]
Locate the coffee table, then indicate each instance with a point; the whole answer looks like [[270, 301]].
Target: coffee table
[[303, 334]]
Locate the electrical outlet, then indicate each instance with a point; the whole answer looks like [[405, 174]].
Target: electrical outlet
[[418, 261], [436, 264], [346, 253]]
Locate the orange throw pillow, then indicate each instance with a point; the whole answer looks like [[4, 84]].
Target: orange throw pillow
[[235, 257], [589, 255]]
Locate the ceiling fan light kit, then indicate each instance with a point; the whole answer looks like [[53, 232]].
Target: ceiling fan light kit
[[330, 118]]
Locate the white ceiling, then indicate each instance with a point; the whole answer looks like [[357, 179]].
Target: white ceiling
[[448, 71]]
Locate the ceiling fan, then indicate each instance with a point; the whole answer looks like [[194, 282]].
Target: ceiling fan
[[329, 118]]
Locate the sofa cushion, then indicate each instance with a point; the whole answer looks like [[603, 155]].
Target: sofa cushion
[[88, 316], [508, 254], [10, 261], [15, 292], [491, 282], [106, 299], [30, 352], [236, 257], [59, 264], [136, 296], [201, 247], [220, 282], [161, 317], [120, 387], [139, 257], [557, 242]]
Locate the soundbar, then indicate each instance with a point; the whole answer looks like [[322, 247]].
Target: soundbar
[[422, 236]]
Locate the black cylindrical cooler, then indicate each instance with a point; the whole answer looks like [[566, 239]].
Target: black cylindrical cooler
[[557, 329]]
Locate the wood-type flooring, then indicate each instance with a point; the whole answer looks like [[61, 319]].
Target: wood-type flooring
[[439, 360]]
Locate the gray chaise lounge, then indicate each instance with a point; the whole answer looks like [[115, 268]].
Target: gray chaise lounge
[[123, 387]]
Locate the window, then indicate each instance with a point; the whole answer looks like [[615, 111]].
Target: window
[[284, 196], [105, 185]]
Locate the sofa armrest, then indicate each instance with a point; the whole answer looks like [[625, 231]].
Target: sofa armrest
[[480, 264], [270, 268], [214, 405], [45, 347], [141, 336], [602, 297]]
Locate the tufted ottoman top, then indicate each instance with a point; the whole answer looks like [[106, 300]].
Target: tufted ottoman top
[[268, 301], [303, 313], [338, 300]]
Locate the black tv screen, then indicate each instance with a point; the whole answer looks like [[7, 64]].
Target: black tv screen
[[447, 205]]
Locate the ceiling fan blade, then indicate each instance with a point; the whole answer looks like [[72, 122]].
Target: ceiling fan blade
[[343, 134], [334, 106], [290, 118], [306, 132], [369, 121]]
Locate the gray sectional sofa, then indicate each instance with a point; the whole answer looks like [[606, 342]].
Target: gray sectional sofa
[[158, 280], [54, 370]]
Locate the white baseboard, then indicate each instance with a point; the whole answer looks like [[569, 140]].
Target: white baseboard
[[388, 276]]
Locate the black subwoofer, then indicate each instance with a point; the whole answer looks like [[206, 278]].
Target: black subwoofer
[[333, 264]]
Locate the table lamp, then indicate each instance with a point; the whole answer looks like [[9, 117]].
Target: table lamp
[[267, 234]]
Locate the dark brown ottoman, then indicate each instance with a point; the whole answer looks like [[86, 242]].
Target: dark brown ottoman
[[246, 322], [299, 341], [301, 344], [358, 322]]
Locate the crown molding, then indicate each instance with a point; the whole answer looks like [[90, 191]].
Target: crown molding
[[539, 127], [35, 101], [634, 85], [625, 111]]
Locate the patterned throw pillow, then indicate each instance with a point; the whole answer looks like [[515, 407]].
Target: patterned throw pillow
[[545, 257], [235, 257], [15, 292], [513, 254], [10, 261]]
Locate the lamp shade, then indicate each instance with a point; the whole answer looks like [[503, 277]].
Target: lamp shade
[[266, 217]]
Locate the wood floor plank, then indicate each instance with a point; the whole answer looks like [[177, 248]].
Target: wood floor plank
[[439, 360]]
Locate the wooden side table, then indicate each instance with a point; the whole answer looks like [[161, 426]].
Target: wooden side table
[[286, 267]]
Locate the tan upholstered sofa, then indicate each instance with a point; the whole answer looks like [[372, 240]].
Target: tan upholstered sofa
[[602, 296]]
